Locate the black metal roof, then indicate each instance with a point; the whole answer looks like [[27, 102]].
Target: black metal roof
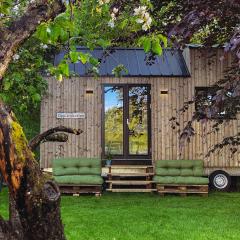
[[170, 64]]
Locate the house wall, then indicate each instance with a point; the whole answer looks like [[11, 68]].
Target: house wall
[[69, 96]]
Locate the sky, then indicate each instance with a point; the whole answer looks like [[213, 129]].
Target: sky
[[111, 99]]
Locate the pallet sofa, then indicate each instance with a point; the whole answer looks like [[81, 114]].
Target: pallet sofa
[[78, 175], [181, 177]]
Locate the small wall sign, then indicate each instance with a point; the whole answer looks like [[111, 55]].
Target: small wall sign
[[71, 115]]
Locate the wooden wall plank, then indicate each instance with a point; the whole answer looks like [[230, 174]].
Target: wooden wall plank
[[70, 96]]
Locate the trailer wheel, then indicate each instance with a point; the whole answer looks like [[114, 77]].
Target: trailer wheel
[[220, 180]]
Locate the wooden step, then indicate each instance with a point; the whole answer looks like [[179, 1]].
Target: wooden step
[[130, 174], [129, 166], [129, 182], [131, 190]]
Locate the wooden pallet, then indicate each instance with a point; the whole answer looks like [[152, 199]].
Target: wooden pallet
[[129, 182], [182, 190], [130, 166], [130, 178], [76, 190], [129, 185], [128, 169], [130, 190], [131, 174]]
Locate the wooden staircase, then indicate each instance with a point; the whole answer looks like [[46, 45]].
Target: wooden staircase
[[129, 178]]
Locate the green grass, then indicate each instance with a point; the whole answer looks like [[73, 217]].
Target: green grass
[[149, 217]]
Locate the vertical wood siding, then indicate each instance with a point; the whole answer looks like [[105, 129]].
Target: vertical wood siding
[[69, 96]]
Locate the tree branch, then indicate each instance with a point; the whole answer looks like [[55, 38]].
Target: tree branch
[[45, 135], [21, 29]]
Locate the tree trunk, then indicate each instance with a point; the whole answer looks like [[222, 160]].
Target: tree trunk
[[34, 197]]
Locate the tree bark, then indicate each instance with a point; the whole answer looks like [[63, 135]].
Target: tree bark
[[49, 135], [21, 29], [34, 197]]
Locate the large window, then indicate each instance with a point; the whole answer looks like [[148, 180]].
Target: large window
[[127, 121]]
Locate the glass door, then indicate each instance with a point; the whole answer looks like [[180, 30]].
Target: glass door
[[138, 109], [126, 121]]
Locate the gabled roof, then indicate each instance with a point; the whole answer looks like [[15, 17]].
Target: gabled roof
[[170, 64]]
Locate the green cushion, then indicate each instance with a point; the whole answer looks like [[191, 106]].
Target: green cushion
[[192, 180], [168, 163], [87, 170], [80, 162], [191, 163], [75, 166], [164, 180], [198, 171], [186, 167], [186, 172], [179, 163], [79, 179], [168, 171], [60, 171], [181, 180]]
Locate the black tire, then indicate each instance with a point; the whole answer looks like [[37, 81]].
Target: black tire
[[220, 180]]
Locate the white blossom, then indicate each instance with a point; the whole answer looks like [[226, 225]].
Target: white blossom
[[15, 8], [16, 57], [146, 15], [44, 46], [111, 23], [149, 21], [101, 2], [48, 30], [143, 17], [140, 10], [113, 16], [145, 27], [115, 10], [139, 20]]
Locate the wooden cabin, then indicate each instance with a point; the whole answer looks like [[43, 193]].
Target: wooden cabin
[[128, 117]]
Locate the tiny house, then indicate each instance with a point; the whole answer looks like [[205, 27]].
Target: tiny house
[[127, 117]]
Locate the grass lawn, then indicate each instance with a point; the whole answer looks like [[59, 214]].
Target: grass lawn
[[148, 217]]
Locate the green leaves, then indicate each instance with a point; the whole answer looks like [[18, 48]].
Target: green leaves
[[156, 47], [84, 57], [63, 68], [7, 85], [79, 56], [163, 39], [154, 43], [5, 6], [74, 56], [42, 33], [147, 44], [119, 70], [23, 83]]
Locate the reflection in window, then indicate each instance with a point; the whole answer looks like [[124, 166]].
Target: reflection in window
[[138, 120], [113, 97]]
